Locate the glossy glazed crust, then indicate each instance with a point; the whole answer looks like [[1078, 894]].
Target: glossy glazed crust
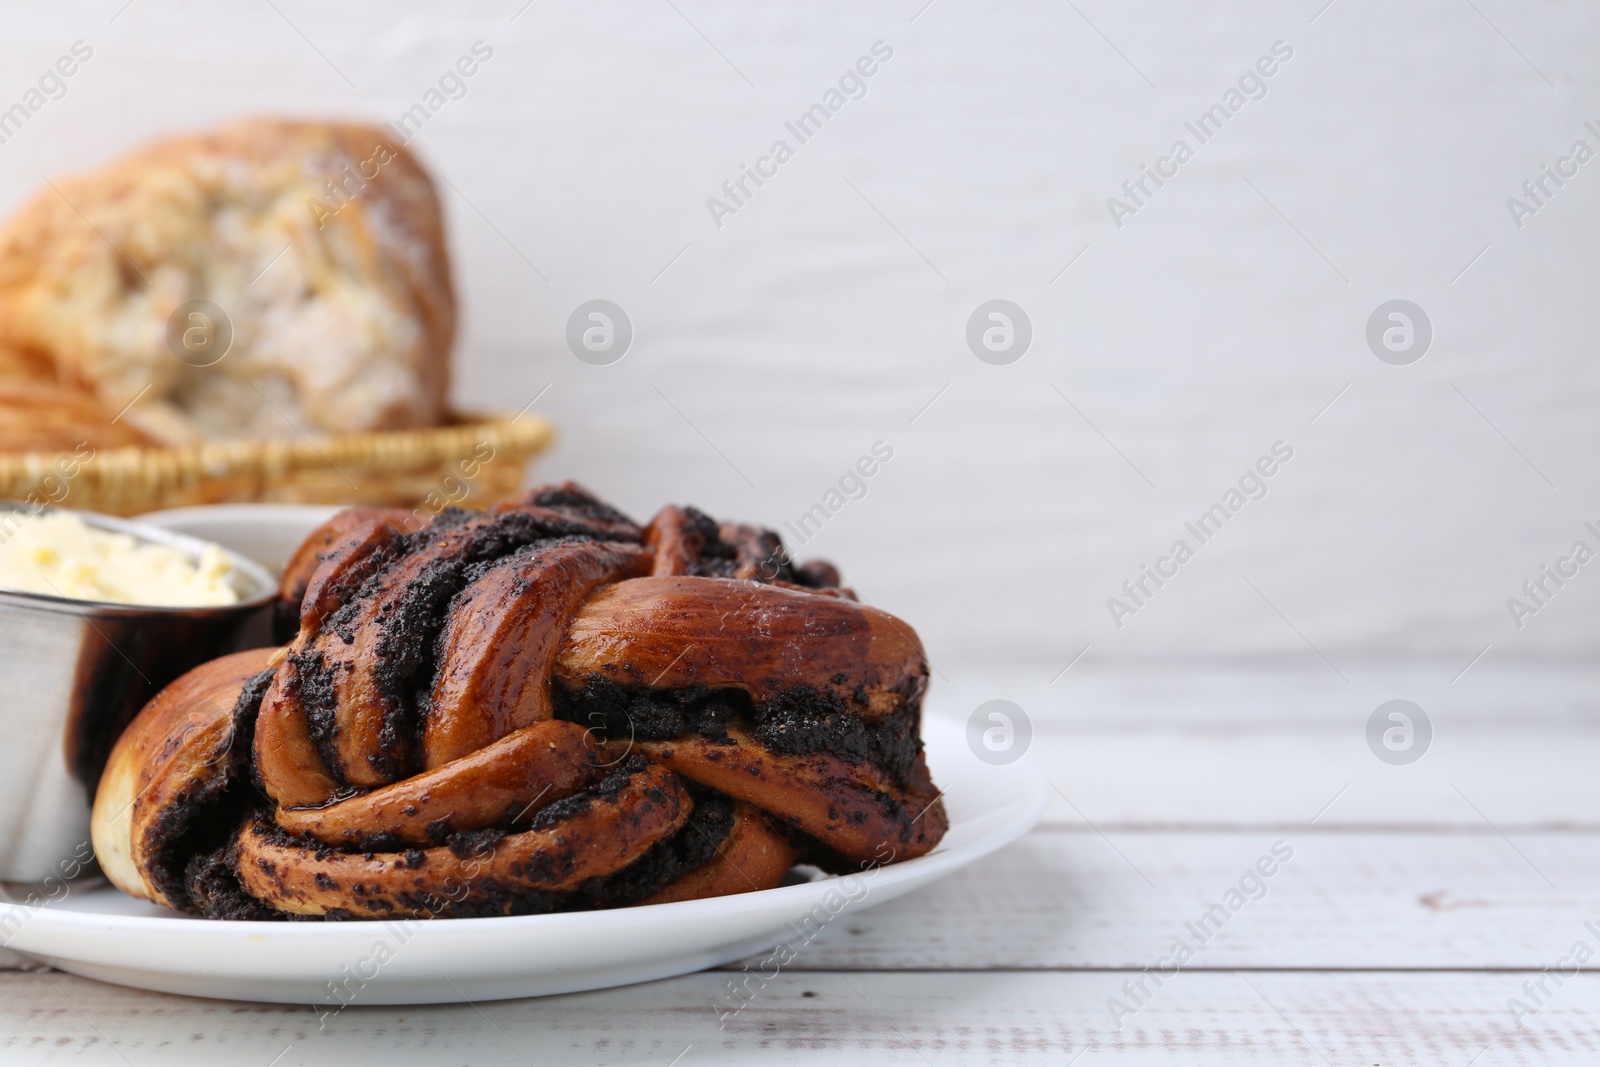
[[173, 760], [517, 711], [854, 811], [681, 631], [608, 834], [755, 855], [336, 553], [368, 633], [492, 673], [502, 784]]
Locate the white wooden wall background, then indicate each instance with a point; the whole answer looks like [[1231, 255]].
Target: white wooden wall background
[[1168, 355], [830, 310]]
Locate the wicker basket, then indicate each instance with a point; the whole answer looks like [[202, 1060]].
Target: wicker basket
[[472, 460]]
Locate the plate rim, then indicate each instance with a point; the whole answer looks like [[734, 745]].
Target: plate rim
[[1019, 811]]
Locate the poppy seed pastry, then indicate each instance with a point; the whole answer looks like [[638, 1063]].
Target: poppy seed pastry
[[537, 707], [321, 243]]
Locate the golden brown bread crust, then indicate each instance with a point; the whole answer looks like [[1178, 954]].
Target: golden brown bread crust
[[350, 329], [349, 539], [38, 415], [501, 784], [755, 855], [602, 839], [167, 765], [687, 630], [523, 709], [854, 811], [364, 749], [39, 412], [492, 672]]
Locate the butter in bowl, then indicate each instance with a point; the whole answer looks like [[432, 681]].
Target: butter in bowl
[[96, 616]]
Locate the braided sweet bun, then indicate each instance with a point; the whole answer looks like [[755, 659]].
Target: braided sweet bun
[[538, 707]]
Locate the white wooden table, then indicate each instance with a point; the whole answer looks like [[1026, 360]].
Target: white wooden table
[[1417, 902]]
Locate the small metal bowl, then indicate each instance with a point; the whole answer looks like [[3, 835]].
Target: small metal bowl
[[73, 674]]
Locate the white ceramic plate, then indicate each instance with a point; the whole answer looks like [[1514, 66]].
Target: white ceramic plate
[[266, 533], [98, 932]]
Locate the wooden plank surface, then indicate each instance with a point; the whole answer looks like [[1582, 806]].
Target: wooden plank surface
[[1206, 1017], [1416, 902], [1064, 899]]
